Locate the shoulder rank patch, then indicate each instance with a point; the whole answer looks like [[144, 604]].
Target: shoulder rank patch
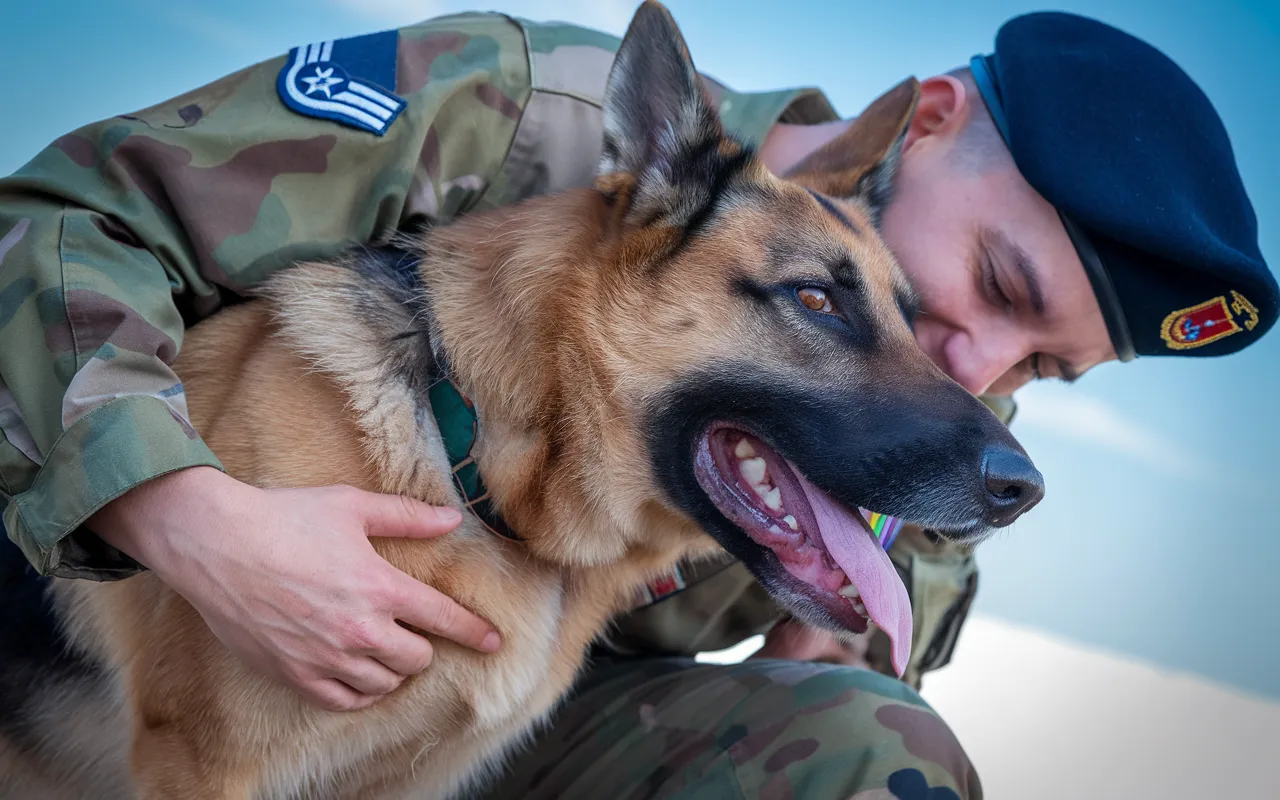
[[351, 81], [1208, 322]]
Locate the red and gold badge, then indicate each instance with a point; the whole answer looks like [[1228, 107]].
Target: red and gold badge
[[1208, 322]]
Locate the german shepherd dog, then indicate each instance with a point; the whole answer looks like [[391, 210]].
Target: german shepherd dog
[[691, 356]]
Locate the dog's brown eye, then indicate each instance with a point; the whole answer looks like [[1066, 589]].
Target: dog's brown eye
[[815, 300]]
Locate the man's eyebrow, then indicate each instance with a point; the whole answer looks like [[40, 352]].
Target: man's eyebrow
[[1027, 268]]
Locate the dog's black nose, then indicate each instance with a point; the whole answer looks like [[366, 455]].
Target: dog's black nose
[[1013, 484]]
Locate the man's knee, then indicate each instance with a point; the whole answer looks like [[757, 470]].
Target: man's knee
[[822, 731], [674, 729]]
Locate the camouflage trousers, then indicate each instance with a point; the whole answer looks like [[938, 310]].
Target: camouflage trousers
[[675, 729]]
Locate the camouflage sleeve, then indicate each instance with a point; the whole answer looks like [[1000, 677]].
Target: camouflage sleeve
[[118, 235]]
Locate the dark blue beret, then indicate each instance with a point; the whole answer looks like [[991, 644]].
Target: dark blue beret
[[1136, 160]]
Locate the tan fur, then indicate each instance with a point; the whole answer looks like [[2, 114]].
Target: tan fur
[[288, 391], [554, 332], [279, 418]]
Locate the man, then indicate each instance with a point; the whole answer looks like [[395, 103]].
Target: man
[[1068, 200]]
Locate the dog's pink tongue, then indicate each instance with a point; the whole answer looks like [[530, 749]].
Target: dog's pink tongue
[[868, 566]]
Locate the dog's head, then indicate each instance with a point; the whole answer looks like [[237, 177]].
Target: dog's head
[[759, 332]]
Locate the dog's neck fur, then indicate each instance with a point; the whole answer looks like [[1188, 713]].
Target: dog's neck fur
[[543, 268], [500, 289], [525, 286]]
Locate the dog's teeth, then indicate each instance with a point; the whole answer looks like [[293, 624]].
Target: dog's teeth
[[859, 607], [849, 591], [791, 522], [753, 470], [744, 449], [773, 499]]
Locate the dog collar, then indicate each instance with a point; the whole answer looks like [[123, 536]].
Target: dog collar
[[458, 424], [883, 526]]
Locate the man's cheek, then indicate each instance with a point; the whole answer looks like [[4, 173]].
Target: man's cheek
[[931, 337], [1009, 382]]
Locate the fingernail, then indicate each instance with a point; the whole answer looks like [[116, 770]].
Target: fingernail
[[447, 514], [492, 641]]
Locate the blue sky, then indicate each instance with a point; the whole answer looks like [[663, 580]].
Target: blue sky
[[1160, 534]]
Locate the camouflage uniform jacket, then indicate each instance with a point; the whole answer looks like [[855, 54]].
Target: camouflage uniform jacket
[[121, 234]]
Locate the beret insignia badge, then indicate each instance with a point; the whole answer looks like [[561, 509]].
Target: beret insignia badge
[[1208, 322]]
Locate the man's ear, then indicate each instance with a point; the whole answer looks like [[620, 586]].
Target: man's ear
[[943, 109], [861, 163], [662, 138]]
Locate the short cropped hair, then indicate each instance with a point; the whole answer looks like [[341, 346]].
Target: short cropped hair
[[979, 147]]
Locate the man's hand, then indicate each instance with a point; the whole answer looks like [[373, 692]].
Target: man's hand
[[793, 640], [287, 578]]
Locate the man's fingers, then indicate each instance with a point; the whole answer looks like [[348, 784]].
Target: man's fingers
[[334, 695], [407, 653], [400, 516], [368, 676], [427, 609]]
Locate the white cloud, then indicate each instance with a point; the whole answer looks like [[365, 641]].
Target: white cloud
[[1069, 413]]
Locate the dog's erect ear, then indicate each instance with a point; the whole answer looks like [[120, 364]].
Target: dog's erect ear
[[661, 134], [862, 162]]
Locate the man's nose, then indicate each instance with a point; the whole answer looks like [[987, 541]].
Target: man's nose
[[976, 365], [1014, 485]]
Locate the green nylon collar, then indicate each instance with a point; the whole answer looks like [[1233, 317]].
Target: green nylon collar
[[456, 419]]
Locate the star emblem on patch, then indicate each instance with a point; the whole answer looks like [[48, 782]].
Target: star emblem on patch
[[350, 81], [322, 81]]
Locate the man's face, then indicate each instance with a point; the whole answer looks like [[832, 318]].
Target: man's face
[[1003, 292]]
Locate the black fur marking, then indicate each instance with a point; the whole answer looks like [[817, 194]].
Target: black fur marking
[[836, 212], [410, 356], [846, 274], [397, 284], [392, 269], [610, 151], [34, 654], [909, 305], [855, 326], [653, 90], [744, 286], [915, 453], [850, 296], [660, 127], [705, 172], [876, 187]]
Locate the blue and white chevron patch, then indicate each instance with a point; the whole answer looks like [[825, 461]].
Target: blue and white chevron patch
[[346, 80]]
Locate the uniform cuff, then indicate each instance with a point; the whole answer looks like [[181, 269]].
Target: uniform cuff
[[106, 453]]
